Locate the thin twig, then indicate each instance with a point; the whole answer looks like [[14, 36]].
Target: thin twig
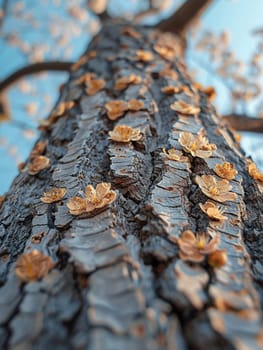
[[33, 69]]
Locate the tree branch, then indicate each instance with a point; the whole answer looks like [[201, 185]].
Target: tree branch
[[180, 21], [32, 69], [242, 122]]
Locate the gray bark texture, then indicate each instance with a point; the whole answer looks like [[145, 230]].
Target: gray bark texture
[[118, 281]]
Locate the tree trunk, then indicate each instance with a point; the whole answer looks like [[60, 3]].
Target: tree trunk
[[118, 280]]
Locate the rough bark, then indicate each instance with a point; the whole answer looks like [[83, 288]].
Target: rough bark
[[118, 282]]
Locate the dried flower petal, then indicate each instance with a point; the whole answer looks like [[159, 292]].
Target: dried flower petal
[[103, 196], [122, 83], [124, 133], [171, 89], [135, 105], [226, 170], [116, 109], [197, 145], [63, 107], [184, 108], [174, 154], [95, 86], [215, 189], [166, 51], [218, 258], [85, 78], [39, 149], [209, 90], [213, 211], [83, 59], [94, 199], [32, 266], [102, 189], [144, 56], [169, 73], [76, 205], [59, 111], [53, 195], [255, 172], [194, 247], [37, 164]]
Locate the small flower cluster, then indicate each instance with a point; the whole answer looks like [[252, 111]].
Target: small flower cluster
[[213, 211], [117, 108], [37, 164], [197, 145], [144, 56], [33, 265], [83, 59], [209, 91], [184, 108], [94, 199], [169, 73], [39, 149], [94, 86], [53, 195], [196, 247], [59, 111], [37, 161], [171, 90], [226, 171], [166, 51], [255, 172], [219, 190], [173, 154], [124, 133], [122, 83]]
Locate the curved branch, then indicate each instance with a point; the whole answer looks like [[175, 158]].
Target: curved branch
[[242, 122], [180, 21], [33, 69]]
